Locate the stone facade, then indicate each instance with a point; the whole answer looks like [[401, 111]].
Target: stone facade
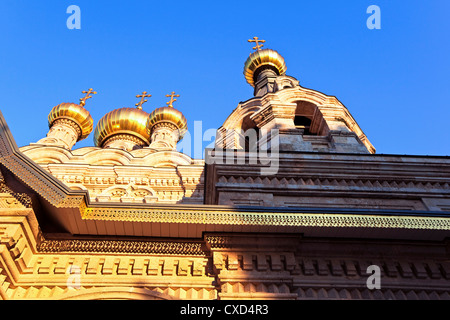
[[116, 175]]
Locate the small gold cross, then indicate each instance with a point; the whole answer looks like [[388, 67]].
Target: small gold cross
[[256, 40], [87, 96], [143, 100], [172, 100]]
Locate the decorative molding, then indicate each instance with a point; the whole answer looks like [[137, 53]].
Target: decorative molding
[[314, 181], [22, 198], [267, 218], [124, 137], [121, 246], [70, 123], [71, 202], [166, 125], [8, 201], [218, 241]]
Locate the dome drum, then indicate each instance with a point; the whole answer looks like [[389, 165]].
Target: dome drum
[[168, 115]]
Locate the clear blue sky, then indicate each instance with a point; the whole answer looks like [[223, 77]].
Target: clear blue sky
[[394, 81]]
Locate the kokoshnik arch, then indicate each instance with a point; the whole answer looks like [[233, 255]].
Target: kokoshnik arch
[[139, 220]]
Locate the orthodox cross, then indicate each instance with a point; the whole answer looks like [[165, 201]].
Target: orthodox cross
[[143, 100], [87, 96], [257, 41], [172, 100]]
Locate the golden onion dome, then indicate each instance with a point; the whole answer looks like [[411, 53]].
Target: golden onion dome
[[74, 112], [260, 58], [132, 121], [167, 114]]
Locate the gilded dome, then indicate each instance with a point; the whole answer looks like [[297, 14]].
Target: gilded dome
[[167, 114], [259, 58], [131, 121], [74, 112]]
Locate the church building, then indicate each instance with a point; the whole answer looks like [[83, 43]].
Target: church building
[[292, 203]]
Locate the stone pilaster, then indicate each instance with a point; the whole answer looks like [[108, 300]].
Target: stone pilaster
[[276, 121]]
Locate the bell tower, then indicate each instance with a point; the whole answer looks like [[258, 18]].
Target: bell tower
[[287, 115]]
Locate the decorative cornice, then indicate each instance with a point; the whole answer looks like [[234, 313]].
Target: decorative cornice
[[377, 184], [242, 218], [120, 246]]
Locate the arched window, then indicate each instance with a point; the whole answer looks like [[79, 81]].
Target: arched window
[[251, 133], [309, 118]]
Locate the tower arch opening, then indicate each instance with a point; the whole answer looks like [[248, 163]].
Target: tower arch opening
[[309, 118]]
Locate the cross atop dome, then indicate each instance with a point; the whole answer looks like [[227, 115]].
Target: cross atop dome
[[257, 40], [87, 96], [143, 100], [172, 100]]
